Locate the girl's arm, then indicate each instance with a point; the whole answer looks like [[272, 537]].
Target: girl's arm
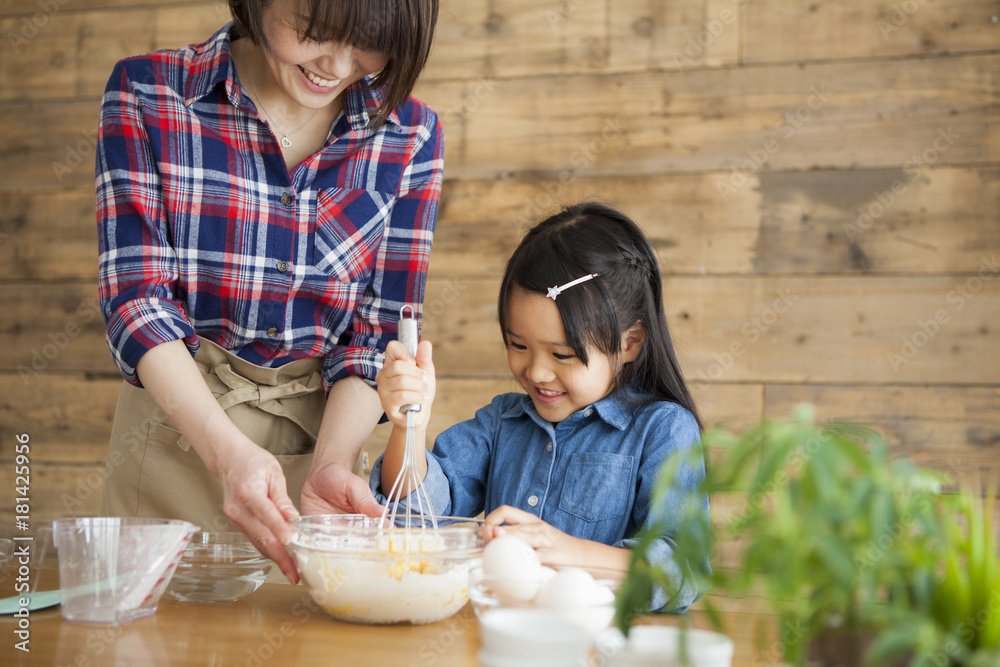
[[404, 381], [553, 546]]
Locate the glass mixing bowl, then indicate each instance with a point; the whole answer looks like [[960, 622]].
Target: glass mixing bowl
[[218, 567], [361, 572]]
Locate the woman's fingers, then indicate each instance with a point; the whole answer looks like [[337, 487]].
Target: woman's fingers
[[257, 503]]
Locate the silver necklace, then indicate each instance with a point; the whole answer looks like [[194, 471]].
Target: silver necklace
[[285, 141]]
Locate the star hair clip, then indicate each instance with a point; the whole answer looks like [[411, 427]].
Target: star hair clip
[[556, 291]]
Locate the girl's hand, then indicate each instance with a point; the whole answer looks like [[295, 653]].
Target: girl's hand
[[402, 382], [553, 546]]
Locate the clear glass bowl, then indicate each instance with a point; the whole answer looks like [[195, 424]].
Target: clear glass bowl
[[218, 567], [361, 572], [592, 607]]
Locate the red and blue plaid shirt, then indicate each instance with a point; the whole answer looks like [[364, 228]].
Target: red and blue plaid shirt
[[203, 231]]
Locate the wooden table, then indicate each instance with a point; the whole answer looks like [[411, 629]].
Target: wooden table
[[280, 625]]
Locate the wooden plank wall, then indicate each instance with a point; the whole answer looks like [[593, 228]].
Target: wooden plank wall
[[821, 181]]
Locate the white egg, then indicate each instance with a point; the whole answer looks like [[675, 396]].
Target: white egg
[[512, 568], [574, 594], [570, 587]]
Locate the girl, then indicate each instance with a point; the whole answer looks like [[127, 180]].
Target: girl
[[265, 205], [568, 466]]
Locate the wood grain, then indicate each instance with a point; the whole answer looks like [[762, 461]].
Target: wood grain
[[826, 222], [745, 120], [863, 29], [732, 329], [954, 429]]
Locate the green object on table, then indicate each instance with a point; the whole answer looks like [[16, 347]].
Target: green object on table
[[39, 600]]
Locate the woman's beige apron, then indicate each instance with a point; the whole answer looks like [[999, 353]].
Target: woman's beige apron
[[154, 472]]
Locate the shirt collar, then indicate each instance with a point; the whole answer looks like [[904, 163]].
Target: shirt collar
[[212, 64], [613, 409]]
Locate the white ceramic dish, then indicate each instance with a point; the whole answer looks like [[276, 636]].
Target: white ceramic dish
[[659, 646], [531, 637]]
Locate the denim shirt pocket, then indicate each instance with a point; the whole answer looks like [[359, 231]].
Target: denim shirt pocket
[[597, 486], [350, 224]]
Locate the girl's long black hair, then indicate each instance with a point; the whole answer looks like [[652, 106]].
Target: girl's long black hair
[[591, 237]]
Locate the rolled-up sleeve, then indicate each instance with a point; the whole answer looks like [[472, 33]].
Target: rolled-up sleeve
[[138, 265], [400, 265]]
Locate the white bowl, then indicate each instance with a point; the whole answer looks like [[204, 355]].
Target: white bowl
[[659, 646], [531, 637]]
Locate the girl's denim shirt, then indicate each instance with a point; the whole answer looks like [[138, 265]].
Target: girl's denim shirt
[[591, 475]]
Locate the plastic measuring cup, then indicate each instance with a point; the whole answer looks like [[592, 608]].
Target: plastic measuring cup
[[113, 570]]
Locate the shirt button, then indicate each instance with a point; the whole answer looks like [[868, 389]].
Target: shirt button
[[286, 199], [533, 500], [272, 332], [282, 266], [589, 412], [548, 447]]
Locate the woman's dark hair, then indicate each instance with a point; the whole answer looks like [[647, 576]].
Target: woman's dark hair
[[402, 29], [594, 238]]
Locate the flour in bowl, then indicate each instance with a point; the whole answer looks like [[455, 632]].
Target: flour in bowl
[[417, 584]]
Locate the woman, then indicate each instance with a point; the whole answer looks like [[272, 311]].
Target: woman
[[266, 203]]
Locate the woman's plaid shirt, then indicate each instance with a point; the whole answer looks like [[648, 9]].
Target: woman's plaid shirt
[[204, 232]]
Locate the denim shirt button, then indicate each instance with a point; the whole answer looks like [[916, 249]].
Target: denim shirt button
[[589, 412], [548, 447], [533, 500]]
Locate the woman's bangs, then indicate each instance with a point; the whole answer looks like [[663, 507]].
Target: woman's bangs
[[369, 25]]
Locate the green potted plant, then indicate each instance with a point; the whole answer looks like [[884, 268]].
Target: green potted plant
[[831, 529], [955, 621]]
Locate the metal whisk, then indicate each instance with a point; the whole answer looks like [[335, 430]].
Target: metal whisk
[[408, 483]]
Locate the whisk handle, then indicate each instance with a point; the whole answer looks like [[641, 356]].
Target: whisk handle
[[409, 337]]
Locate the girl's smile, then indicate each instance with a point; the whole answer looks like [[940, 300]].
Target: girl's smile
[[544, 364]]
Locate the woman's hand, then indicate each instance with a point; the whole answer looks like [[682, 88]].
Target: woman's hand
[[553, 546], [403, 382], [256, 502], [333, 488]]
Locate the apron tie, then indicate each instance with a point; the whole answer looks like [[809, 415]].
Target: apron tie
[[265, 397]]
